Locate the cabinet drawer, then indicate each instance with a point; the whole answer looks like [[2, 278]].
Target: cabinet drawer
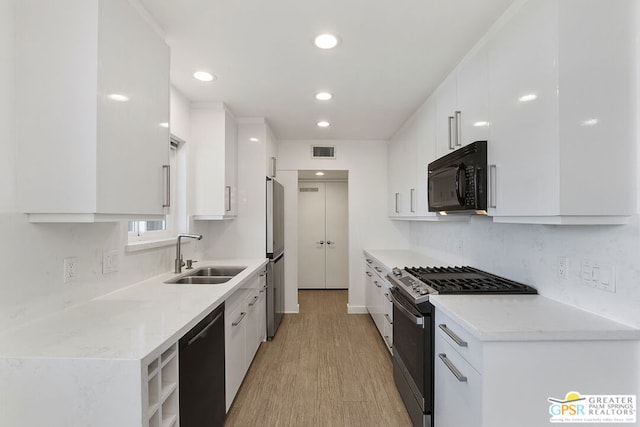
[[458, 388], [469, 347], [387, 333]]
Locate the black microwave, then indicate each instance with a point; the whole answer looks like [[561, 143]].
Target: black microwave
[[458, 181]]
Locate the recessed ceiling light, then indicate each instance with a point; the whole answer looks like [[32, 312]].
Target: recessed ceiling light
[[203, 76], [324, 124], [254, 139], [118, 97], [319, 173], [323, 96], [164, 125], [481, 123], [590, 122], [326, 41]]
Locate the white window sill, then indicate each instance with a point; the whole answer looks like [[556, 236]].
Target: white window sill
[[152, 244]]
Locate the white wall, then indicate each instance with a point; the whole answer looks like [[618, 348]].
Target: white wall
[[529, 253], [369, 226]]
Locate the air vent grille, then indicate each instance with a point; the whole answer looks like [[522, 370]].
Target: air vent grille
[[323, 152], [309, 189]]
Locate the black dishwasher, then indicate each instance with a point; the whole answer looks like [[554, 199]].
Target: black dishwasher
[[202, 384]]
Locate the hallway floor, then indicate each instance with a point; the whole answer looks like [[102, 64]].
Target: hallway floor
[[323, 368]]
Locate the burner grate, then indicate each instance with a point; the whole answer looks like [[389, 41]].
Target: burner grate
[[465, 279]]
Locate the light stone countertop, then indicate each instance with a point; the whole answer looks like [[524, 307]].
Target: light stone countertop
[[512, 317], [134, 323]]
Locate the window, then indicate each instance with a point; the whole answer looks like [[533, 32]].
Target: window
[[174, 221]]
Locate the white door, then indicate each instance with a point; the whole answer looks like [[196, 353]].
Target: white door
[[323, 235], [336, 232], [311, 240]]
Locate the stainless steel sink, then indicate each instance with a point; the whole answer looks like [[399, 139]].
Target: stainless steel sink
[[208, 275], [216, 271], [199, 280]]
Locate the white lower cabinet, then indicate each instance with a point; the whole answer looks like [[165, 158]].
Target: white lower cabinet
[[245, 329], [458, 388], [378, 300], [508, 383]]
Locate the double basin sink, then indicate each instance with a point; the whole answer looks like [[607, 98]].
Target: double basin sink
[[208, 275]]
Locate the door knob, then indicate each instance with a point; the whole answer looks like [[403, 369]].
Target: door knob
[[321, 242], [329, 242]]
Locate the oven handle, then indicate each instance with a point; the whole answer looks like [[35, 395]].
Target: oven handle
[[417, 319]]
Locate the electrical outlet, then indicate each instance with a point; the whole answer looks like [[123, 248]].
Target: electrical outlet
[[109, 262], [563, 268], [70, 269]]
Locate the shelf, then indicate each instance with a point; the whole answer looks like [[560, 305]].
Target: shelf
[[170, 420]]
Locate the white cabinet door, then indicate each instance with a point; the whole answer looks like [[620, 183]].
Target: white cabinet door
[[473, 97], [252, 324], [104, 161], [524, 113], [559, 95], [235, 350], [458, 389], [213, 152], [369, 289], [446, 107]]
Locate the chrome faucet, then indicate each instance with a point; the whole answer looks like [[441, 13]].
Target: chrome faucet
[[178, 262]]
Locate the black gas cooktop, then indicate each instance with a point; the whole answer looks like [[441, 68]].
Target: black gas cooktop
[[465, 280]]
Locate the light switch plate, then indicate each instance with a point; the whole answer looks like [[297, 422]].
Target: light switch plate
[[109, 262], [599, 276]]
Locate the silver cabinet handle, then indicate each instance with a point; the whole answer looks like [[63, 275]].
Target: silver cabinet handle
[[369, 261], [329, 242], [412, 196], [378, 269], [388, 297], [167, 179], [237, 322], [227, 206], [369, 274], [458, 115], [451, 147], [377, 284], [493, 183], [397, 202], [321, 242], [452, 335], [452, 368], [273, 167], [386, 316], [252, 303]]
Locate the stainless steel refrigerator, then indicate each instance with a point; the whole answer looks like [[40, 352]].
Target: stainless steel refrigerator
[[275, 253]]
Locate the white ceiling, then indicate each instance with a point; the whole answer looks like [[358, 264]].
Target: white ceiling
[[392, 56]]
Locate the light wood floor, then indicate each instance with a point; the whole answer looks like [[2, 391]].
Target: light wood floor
[[324, 368]]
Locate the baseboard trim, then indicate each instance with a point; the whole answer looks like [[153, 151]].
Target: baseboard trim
[[296, 311], [356, 309]]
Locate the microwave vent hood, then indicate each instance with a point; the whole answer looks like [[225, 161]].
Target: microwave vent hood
[[457, 182]]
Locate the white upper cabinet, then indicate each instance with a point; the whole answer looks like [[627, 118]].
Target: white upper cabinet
[[562, 113], [213, 152], [462, 107], [92, 111]]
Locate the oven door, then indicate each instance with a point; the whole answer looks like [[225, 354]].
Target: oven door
[[412, 358]]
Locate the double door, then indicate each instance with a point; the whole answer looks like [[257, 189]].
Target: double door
[[323, 246]]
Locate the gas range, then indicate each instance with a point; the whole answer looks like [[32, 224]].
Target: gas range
[[418, 283]]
